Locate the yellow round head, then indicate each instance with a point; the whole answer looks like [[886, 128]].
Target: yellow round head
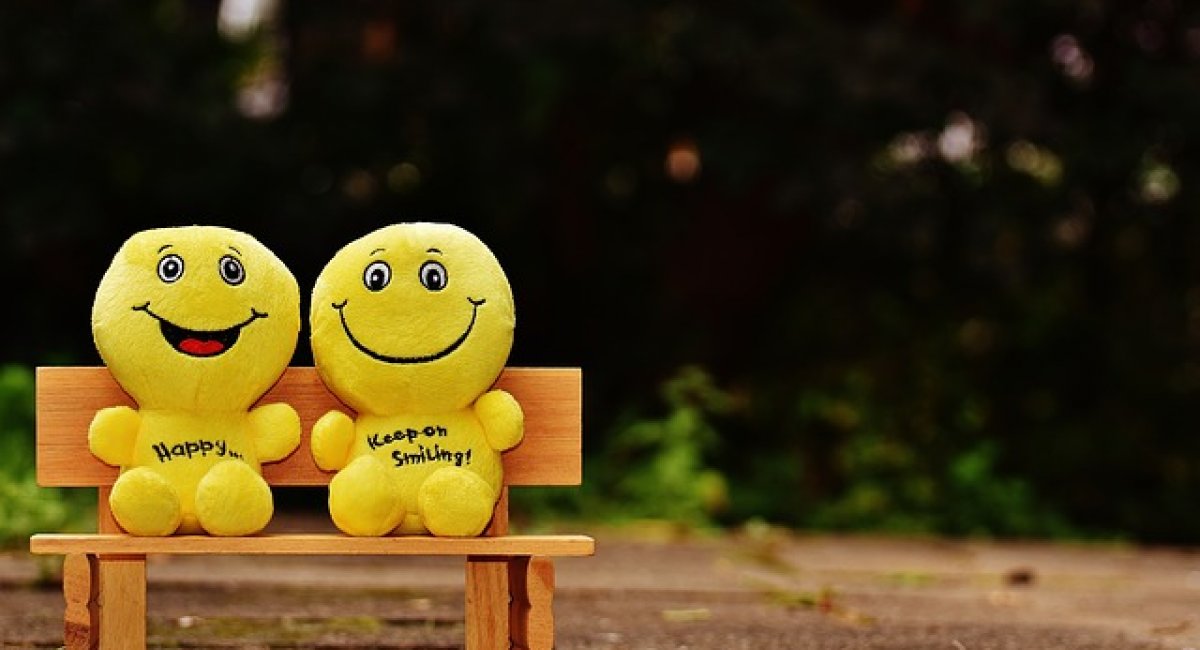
[[412, 317], [196, 318]]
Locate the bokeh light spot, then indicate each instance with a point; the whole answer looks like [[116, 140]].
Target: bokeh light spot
[[404, 177], [683, 161]]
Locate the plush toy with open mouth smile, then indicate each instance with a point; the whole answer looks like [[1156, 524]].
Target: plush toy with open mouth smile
[[411, 325], [195, 323]]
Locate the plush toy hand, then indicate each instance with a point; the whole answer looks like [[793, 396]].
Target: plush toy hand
[[332, 436], [276, 431], [502, 418], [112, 434]]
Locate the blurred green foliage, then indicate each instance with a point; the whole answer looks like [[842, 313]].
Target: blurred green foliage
[[674, 468], [651, 468], [939, 256], [662, 468], [884, 477], [24, 507]]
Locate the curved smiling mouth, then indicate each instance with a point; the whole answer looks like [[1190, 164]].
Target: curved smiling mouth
[[340, 307], [200, 343]]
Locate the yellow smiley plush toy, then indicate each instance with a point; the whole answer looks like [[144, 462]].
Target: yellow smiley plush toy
[[411, 325], [195, 323]]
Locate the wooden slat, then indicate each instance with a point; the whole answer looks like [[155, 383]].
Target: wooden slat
[[314, 544], [68, 398], [106, 522], [499, 524]]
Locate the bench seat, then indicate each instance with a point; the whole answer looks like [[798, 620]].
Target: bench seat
[[314, 544]]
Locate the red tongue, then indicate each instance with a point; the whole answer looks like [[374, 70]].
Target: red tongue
[[200, 348]]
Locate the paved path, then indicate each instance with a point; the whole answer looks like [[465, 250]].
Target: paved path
[[769, 590]]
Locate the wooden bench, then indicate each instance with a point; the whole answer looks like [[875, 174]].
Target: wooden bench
[[509, 578]]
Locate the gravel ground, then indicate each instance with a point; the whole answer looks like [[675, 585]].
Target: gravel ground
[[768, 590]]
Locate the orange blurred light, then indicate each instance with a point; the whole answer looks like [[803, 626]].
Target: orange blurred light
[[683, 161], [378, 41]]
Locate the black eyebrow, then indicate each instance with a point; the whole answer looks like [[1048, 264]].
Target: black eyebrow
[[378, 250], [163, 247], [434, 250], [234, 249]]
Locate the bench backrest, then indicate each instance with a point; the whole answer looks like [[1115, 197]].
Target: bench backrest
[[68, 398]]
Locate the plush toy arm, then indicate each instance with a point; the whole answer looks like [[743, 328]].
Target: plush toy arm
[[502, 418], [332, 437], [112, 434], [276, 431]]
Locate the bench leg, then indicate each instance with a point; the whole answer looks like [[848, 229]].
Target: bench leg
[[122, 600], [532, 608], [81, 585], [487, 603]]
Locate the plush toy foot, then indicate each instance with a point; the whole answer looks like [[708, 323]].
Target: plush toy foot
[[455, 503], [411, 525], [145, 504], [364, 499], [231, 499]]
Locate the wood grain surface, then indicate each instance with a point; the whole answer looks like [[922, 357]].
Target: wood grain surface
[[313, 544], [68, 398]]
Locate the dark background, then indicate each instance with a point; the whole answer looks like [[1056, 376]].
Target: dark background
[[912, 266]]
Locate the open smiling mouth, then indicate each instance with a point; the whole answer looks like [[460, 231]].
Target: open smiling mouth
[[200, 343], [341, 307]]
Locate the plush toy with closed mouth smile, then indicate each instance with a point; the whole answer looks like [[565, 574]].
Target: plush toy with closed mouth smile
[[195, 323], [411, 325]]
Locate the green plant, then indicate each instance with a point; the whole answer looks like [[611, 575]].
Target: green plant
[[660, 468], [928, 473], [24, 507], [652, 468], [980, 500]]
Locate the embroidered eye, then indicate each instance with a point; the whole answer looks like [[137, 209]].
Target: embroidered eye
[[232, 271], [170, 268], [377, 276], [433, 276]]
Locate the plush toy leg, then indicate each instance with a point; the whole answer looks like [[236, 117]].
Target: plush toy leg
[[145, 504], [455, 502], [364, 500], [233, 500]]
